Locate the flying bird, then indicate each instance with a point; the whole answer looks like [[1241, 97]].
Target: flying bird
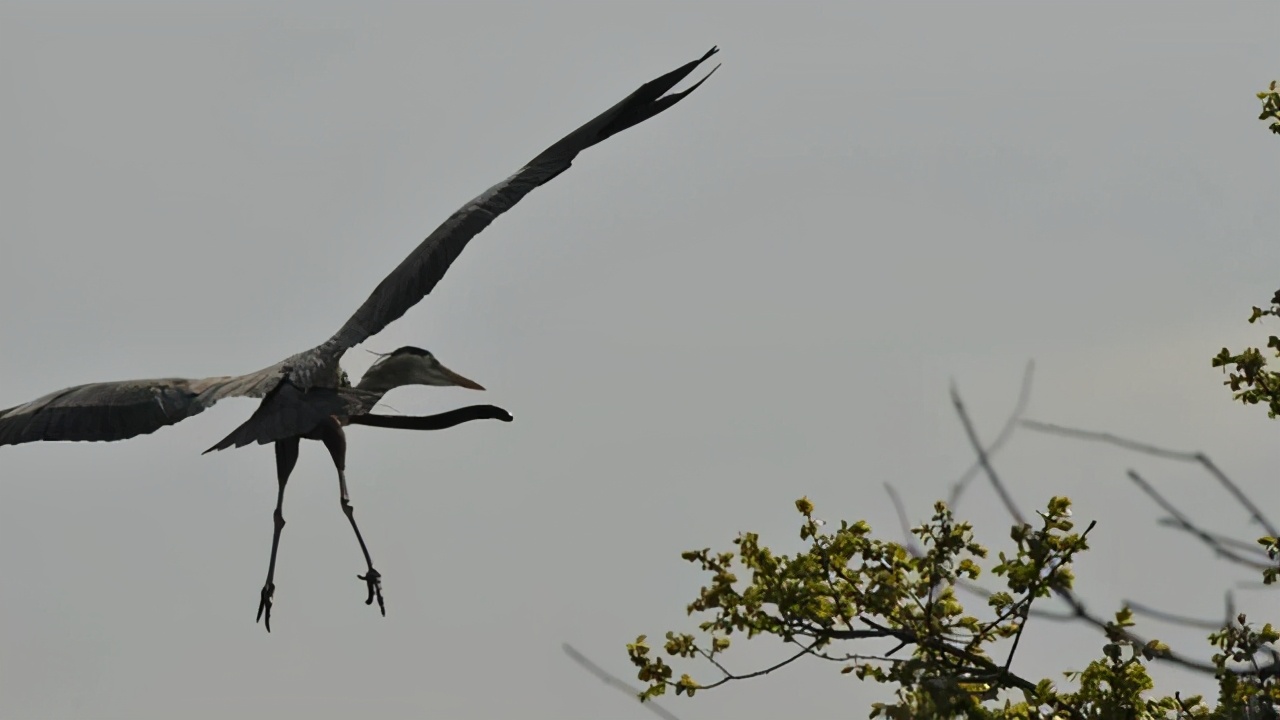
[[308, 395]]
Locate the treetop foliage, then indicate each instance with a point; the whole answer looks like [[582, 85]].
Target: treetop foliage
[[891, 612]]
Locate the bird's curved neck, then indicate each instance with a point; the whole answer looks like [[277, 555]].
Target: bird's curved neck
[[387, 375], [378, 385]]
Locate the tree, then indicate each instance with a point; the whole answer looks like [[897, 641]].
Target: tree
[[891, 611]]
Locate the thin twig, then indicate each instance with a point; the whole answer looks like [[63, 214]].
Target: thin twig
[[1108, 438], [1147, 449], [1068, 596], [1170, 656], [912, 546], [1163, 616], [1034, 589], [1022, 624], [776, 666], [1185, 523], [1253, 585], [983, 460], [1242, 545], [1019, 407], [985, 594], [1254, 511], [614, 682]]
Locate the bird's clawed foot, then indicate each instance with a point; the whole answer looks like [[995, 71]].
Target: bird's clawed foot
[[264, 606], [374, 580]]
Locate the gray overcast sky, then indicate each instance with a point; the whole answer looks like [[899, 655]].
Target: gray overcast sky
[[761, 294]]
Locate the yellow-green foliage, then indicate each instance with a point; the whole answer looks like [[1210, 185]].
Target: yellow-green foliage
[[850, 589], [1251, 382], [1271, 107]]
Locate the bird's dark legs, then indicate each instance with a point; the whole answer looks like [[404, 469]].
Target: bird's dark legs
[[335, 440], [286, 458]]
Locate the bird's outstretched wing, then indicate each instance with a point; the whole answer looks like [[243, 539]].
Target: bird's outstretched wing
[[419, 273], [120, 410], [128, 408]]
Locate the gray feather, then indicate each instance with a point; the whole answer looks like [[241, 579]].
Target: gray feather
[[414, 278], [120, 410]]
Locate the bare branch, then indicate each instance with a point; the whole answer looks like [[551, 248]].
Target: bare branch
[[1195, 457], [849, 657], [1253, 585], [1168, 655], [912, 546], [1019, 407], [1185, 523], [983, 460], [1242, 545], [1183, 620], [1077, 605], [776, 666], [613, 681]]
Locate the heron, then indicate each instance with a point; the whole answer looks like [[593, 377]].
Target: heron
[[308, 396]]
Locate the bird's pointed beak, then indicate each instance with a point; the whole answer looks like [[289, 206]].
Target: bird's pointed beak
[[459, 380]]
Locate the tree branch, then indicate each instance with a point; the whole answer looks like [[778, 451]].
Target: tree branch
[[1242, 545], [1183, 620], [728, 676], [1019, 408], [1194, 457], [1077, 606], [912, 546], [1185, 523], [613, 682], [983, 460]]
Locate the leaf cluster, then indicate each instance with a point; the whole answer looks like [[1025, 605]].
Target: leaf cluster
[[1271, 107], [1250, 379], [890, 615]]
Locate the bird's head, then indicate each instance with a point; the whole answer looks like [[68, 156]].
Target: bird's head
[[411, 366]]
